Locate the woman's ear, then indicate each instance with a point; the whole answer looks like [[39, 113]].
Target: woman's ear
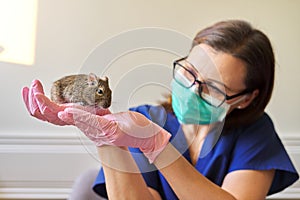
[[248, 100]]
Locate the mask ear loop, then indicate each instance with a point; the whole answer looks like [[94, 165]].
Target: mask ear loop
[[238, 101]]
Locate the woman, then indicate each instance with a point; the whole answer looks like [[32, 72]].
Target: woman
[[216, 141]]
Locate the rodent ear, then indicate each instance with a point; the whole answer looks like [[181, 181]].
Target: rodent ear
[[106, 79], [92, 79]]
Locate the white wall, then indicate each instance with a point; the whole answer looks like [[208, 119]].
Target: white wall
[[67, 31]]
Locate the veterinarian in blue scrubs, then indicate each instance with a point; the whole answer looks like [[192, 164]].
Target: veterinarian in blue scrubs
[[244, 156], [211, 139]]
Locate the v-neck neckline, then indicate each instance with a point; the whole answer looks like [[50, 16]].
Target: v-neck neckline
[[206, 148]]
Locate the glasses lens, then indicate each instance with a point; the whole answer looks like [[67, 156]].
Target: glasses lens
[[183, 76], [212, 95], [207, 91]]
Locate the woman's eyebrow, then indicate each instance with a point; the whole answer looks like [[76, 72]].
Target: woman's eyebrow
[[219, 83], [191, 68], [222, 84]]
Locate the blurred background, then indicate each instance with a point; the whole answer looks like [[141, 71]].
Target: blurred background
[[48, 39]]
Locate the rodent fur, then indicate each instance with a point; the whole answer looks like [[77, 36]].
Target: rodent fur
[[85, 89]]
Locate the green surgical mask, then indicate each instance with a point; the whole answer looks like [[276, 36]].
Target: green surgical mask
[[190, 108]]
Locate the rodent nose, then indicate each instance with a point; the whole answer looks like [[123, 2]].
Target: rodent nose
[[106, 105]]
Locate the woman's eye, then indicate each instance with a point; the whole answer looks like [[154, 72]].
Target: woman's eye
[[218, 86]]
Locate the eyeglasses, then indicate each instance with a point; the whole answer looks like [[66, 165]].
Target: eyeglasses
[[207, 90]]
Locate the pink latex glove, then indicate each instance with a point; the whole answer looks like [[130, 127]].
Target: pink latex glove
[[40, 107], [130, 129]]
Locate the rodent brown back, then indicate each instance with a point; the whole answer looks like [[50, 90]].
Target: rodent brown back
[[82, 88]]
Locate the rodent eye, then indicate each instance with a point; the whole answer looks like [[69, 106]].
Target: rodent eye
[[100, 91]]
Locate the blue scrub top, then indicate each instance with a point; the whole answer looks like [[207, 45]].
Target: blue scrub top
[[254, 147]]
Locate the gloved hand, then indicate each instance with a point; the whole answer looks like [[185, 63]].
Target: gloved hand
[[130, 129], [39, 106]]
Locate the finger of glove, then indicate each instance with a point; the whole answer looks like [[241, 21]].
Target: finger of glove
[[91, 109], [44, 103], [135, 124], [66, 117], [88, 123], [36, 87], [31, 103], [101, 111], [94, 110], [49, 109], [25, 93]]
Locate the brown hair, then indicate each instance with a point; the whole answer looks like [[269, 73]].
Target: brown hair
[[239, 39]]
